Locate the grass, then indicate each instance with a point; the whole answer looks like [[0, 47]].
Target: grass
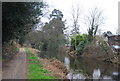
[[31, 57], [35, 70], [17, 49], [27, 50]]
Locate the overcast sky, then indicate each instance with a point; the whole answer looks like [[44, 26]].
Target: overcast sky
[[109, 7]]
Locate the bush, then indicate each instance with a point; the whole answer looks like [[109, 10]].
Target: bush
[[81, 41], [80, 47], [9, 50], [104, 46]]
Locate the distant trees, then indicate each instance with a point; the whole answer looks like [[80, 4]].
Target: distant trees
[[51, 36], [20, 18], [53, 32], [56, 14], [94, 19], [107, 33]]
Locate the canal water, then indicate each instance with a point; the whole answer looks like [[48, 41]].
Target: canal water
[[84, 68]]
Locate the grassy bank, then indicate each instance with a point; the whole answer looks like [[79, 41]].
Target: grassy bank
[[35, 69]]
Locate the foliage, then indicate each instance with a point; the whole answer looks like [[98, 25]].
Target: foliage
[[109, 32], [81, 40], [56, 14], [9, 50], [80, 47], [53, 31], [90, 32], [50, 37], [104, 46], [20, 18]]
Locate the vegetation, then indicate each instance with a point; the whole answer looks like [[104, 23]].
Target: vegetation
[[9, 50], [35, 70], [20, 22], [81, 41], [51, 35], [104, 46], [94, 19], [17, 20], [20, 18]]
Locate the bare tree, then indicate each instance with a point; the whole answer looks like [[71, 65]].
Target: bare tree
[[94, 19], [75, 17]]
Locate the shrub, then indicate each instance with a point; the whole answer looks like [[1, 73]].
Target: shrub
[[9, 50], [80, 47], [80, 41], [104, 46]]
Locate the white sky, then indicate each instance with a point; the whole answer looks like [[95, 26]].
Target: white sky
[[110, 8]]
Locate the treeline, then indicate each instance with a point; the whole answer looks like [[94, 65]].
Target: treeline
[[93, 20], [18, 19], [51, 36]]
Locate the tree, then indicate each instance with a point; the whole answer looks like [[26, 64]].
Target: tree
[[94, 19], [75, 15], [109, 32], [20, 18], [53, 32], [56, 14], [51, 36]]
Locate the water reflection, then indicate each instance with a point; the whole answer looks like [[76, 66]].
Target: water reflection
[[58, 53], [75, 76], [67, 62], [96, 74], [84, 68], [115, 73]]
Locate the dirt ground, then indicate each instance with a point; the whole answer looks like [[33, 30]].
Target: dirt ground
[[15, 68]]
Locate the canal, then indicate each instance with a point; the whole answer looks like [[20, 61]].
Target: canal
[[84, 68]]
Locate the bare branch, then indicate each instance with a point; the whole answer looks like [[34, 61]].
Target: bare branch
[[75, 14], [94, 19]]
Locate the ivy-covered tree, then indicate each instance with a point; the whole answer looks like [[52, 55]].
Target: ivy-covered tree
[[94, 20]]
